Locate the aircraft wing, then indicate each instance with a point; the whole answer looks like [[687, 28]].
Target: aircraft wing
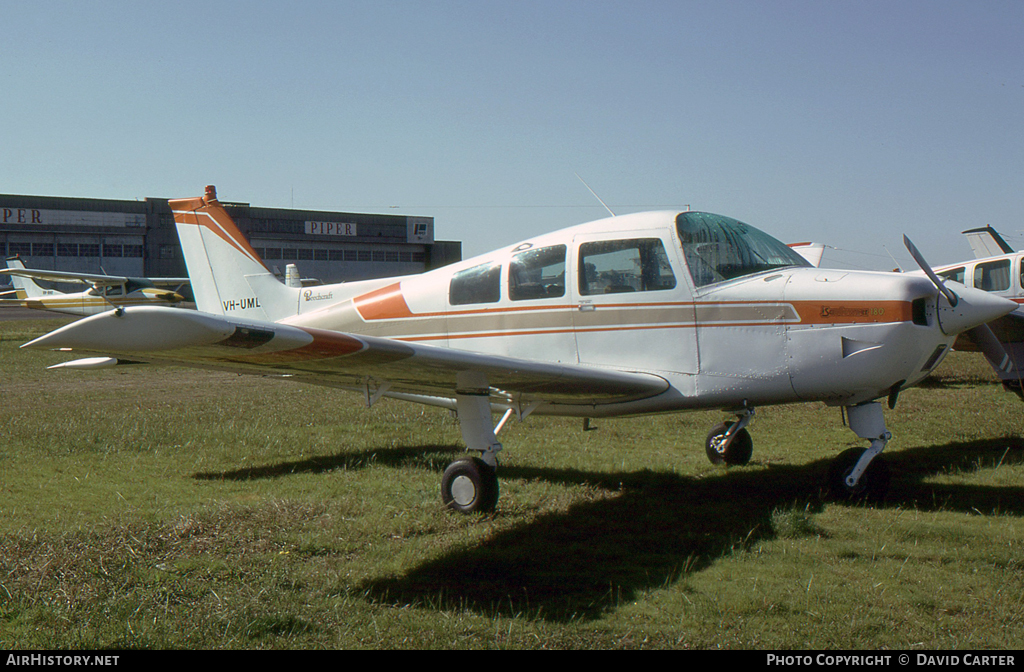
[[350, 361], [95, 279], [66, 276], [169, 282]]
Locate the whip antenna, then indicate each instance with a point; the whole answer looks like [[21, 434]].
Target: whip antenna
[[595, 195]]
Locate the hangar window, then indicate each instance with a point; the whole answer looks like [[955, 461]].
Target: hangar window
[[23, 249], [480, 284], [614, 266], [719, 248], [67, 250], [537, 274], [88, 250], [993, 276]]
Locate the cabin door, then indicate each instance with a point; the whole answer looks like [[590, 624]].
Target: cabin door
[[632, 303]]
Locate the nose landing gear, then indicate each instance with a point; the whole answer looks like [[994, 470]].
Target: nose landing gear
[[862, 474]]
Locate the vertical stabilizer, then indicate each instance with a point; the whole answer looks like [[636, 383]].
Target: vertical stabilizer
[[25, 288], [227, 276], [986, 242]]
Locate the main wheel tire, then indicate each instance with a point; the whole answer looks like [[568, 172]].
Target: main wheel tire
[[873, 483], [739, 451], [469, 485]]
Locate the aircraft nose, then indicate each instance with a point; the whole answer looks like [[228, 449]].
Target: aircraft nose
[[974, 307]]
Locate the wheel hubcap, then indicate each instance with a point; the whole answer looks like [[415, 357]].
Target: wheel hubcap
[[463, 490]]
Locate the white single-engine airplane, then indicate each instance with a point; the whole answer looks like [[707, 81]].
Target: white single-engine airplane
[[997, 269], [644, 313], [105, 292]]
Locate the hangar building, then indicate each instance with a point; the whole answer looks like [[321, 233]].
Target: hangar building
[[138, 238]]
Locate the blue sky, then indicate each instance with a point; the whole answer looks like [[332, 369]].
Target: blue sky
[[844, 122]]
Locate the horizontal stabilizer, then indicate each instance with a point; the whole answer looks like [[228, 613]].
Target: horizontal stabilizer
[[87, 363]]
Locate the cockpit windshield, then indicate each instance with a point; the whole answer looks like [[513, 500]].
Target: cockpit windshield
[[719, 248]]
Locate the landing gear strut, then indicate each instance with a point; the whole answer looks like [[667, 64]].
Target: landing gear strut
[[862, 474]]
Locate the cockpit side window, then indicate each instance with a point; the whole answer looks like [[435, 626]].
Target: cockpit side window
[[614, 266], [537, 274], [954, 274], [719, 248], [480, 284]]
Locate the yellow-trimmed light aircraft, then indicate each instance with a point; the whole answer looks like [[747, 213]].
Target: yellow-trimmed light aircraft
[[643, 313], [105, 291]]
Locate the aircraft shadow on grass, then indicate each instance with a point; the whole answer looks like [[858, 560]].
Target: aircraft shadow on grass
[[577, 564]]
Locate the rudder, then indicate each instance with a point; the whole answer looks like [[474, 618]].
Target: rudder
[[25, 288], [227, 275]]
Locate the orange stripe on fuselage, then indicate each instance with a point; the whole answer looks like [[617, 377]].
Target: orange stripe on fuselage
[[386, 303], [853, 312]]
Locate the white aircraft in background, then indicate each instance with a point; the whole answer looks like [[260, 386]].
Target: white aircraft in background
[[997, 269], [105, 291], [643, 313]]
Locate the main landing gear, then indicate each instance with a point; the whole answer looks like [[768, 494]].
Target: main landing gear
[[470, 484], [730, 442]]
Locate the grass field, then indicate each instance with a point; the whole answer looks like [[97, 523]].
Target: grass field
[[171, 508]]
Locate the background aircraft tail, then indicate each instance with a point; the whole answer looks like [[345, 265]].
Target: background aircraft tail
[[986, 242], [228, 277], [25, 288]]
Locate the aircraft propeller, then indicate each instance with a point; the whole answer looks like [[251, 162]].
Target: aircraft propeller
[[981, 335]]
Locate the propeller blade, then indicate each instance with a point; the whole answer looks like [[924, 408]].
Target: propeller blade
[[919, 258], [990, 346]]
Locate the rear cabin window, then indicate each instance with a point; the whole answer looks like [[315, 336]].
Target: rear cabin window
[[954, 274], [537, 274], [480, 284], [993, 276], [617, 266]]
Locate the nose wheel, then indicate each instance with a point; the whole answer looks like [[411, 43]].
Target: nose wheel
[[872, 485], [861, 474]]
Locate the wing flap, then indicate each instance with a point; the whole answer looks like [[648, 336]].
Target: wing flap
[[169, 336]]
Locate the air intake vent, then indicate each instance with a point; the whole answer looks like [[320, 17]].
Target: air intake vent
[[919, 312]]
